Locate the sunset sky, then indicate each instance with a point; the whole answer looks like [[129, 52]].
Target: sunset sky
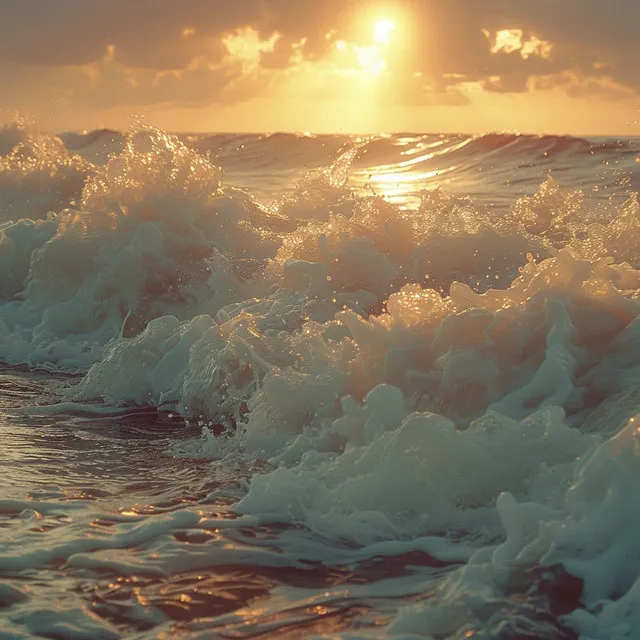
[[554, 66]]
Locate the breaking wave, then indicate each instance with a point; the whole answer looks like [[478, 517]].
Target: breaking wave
[[404, 371]]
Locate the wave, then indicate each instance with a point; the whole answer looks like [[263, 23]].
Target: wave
[[38, 174], [453, 378], [398, 166], [248, 147]]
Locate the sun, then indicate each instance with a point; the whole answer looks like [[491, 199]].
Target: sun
[[382, 31]]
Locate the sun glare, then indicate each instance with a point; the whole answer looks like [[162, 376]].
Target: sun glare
[[382, 31], [370, 59]]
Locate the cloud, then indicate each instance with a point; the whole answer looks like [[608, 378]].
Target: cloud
[[186, 52], [146, 33], [577, 85]]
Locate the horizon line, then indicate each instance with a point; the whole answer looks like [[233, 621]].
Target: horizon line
[[398, 132]]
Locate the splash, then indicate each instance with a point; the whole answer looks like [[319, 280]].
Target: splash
[[451, 376]]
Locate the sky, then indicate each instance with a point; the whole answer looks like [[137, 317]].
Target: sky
[[355, 66]]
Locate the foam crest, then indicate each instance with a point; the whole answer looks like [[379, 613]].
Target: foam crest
[[588, 529], [152, 235], [38, 174], [408, 477], [513, 350]]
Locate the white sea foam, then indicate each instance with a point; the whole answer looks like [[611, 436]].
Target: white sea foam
[[448, 373]]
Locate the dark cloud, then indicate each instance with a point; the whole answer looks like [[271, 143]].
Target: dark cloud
[[447, 42], [579, 86], [145, 33]]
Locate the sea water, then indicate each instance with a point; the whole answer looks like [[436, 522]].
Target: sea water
[[304, 386]]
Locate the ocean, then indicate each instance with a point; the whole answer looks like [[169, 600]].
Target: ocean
[[302, 386]]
